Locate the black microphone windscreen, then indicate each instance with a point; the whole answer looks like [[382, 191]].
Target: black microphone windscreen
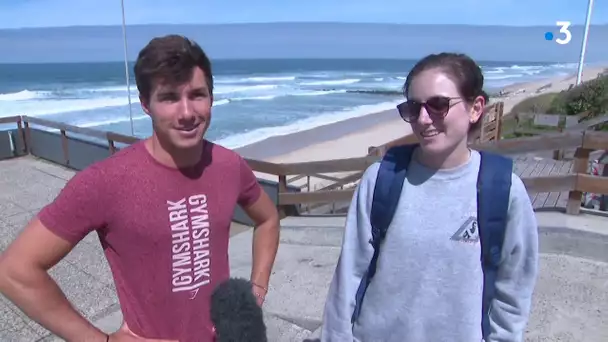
[[236, 314]]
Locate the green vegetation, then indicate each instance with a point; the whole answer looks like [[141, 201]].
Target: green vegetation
[[535, 104], [589, 97]]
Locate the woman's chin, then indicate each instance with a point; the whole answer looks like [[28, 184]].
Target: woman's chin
[[436, 143]]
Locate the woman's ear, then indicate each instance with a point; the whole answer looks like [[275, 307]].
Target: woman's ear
[[477, 109]]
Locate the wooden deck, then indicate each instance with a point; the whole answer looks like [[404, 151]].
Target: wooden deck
[[528, 166]]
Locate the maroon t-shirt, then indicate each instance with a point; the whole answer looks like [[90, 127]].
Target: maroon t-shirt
[[164, 232]]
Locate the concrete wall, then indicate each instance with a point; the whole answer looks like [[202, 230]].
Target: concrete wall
[[6, 145], [82, 153]]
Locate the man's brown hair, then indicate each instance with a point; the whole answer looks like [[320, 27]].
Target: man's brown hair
[[169, 60]]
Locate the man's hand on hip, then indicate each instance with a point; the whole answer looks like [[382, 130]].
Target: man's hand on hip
[[124, 334]]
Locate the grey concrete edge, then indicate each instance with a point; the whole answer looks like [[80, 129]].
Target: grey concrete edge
[[573, 242]]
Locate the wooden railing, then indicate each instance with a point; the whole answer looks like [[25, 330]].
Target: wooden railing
[[575, 183], [24, 124], [491, 126]]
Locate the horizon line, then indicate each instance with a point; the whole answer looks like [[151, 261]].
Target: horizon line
[[482, 60], [292, 22]]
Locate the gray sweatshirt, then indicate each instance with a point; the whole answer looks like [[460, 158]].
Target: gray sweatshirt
[[428, 283]]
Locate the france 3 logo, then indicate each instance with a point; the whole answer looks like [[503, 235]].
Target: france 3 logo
[[564, 28]]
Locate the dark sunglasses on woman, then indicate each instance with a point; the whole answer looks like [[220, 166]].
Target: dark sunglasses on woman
[[437, 107]]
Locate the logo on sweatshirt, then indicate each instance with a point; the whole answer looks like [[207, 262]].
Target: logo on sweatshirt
[[468, 232]]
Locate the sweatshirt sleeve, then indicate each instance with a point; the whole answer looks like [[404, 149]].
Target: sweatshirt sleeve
[[354, 259], [517, 275]]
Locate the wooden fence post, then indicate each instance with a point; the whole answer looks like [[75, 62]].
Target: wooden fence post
[[499, 114], [21, 131], [28, 137], [581, 163], [282, 189]]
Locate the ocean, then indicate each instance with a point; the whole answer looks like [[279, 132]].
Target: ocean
[[254, 99]]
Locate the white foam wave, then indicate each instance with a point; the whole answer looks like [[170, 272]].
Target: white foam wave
[[263, 98], [271, 79], [110, 121], [220, 102], [23, 95], [503, 77], [271, 97], [320, 92], [332, 82], [253, 79], [121, 88], [59, 106], [238, 89], [240, 140]]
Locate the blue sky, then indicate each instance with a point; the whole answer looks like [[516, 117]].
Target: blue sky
[[45, 13]]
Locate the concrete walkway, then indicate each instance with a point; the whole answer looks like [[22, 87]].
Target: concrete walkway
[[570, 302]]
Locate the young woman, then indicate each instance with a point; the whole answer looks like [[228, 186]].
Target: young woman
[[429, 280]]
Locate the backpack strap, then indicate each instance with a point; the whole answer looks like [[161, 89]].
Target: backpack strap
[[493, 193], [389, 182]]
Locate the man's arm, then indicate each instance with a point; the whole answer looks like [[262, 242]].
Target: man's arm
[[25, 281], [260, 208], [48, 238], [517, 274], [265, 242]]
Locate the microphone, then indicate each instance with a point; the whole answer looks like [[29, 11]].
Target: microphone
[[236, 314]]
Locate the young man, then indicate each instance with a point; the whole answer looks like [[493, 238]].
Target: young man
[[162, 209]]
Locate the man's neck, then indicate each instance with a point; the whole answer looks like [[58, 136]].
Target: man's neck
[[173, 157]]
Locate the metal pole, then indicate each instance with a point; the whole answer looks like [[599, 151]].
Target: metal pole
[[124, 38], [584, 44]]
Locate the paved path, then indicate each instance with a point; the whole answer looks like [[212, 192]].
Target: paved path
[[570, 303]]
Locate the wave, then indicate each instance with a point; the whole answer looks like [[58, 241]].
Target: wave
[[111, 121], [43, 104], [59, 106], [332, 82], [104, 104], [220, 102], [386, 92], [253, 79], [256, 135], [272, 97], [237, 89], [271, 79], [502, 77], [23, 95]]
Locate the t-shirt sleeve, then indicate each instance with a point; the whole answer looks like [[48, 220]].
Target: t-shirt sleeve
[[250, 189], [79, 208]]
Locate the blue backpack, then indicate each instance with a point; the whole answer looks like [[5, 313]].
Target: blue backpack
[[493, 191]]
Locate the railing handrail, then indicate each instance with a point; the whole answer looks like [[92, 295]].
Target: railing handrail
[[96, 133], [10, 119], [577, 182], [561, 140]]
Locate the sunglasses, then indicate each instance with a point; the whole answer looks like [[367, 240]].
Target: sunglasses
[[437, 107]]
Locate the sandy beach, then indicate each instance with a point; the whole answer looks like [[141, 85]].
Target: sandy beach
[[352, 138], [518, 92]]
